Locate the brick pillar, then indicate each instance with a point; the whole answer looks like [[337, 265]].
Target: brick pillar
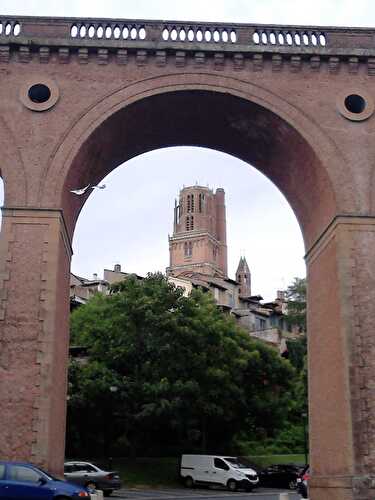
[[35, 258], [341, 336]]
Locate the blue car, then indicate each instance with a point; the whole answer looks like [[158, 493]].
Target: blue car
[[22, 481]]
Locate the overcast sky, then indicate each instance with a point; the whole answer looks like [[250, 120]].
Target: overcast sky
[[129, 221]]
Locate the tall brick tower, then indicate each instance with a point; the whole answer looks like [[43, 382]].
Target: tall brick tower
[[199, 242], [243, 277]]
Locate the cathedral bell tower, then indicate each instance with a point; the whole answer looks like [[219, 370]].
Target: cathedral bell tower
[[198, 243]]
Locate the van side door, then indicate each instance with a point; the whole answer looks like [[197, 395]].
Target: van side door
[[220, 472]]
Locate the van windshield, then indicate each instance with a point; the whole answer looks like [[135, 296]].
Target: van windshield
[[236, 463]]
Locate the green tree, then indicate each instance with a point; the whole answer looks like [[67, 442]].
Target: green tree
[[296, 300], [168, 371]]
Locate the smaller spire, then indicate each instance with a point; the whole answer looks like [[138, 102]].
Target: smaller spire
[[243, 277]]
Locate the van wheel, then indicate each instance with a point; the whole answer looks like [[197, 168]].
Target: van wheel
[[232, 485], [189, 482]]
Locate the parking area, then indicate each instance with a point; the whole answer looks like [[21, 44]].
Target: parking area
[[200, 494]]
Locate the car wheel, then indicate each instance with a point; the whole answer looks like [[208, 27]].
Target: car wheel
[[232, 485], [189, 482], [292, 485]]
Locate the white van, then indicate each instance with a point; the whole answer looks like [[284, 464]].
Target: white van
[[216, 469]]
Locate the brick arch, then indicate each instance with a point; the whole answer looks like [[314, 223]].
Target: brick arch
[[208, 111]]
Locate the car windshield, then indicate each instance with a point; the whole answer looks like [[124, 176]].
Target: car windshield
[[236, 463]]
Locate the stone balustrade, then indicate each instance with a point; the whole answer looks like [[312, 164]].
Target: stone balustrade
[[74, 32]]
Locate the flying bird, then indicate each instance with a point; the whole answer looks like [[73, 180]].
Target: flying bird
[[83, 190]]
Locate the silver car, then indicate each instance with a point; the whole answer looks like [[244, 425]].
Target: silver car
[[89, 475]]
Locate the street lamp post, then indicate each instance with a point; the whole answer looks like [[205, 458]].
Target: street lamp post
[[304, 418]]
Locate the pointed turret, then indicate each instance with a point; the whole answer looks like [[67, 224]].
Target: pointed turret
[[243, 277]]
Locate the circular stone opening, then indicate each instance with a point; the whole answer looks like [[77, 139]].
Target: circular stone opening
[[39, 93], [355, 103]]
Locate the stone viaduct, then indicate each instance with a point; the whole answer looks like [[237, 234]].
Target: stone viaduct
[[80, 96]]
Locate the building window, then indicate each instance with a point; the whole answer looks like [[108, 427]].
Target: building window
[[190, 202], [189, 223], [200, 202], [214, 252], [260, 324], [188, 249]]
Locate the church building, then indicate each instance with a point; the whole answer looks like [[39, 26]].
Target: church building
[[198, 259]]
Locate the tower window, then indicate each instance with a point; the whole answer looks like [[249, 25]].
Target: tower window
[[190, 202], [188, 249], [200, 202], [189, 223]]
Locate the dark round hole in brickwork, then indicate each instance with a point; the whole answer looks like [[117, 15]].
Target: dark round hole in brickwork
[[355, 103], [39, 93]]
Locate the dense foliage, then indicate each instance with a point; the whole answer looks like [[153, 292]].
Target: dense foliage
[[296, 298], [167, 373]]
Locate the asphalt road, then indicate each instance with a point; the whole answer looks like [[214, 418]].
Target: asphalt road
[[200, 494]]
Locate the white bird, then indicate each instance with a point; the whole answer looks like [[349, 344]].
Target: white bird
[[83, 190]]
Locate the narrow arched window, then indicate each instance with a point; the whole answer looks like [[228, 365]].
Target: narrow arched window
[[200, 202], [191, 222]]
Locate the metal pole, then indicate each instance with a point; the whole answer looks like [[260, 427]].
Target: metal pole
[[304, 416]]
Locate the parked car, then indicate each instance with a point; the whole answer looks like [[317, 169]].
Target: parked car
[[280, 476], [229, 472], [91, 476], [303, 482], [23, 481]]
